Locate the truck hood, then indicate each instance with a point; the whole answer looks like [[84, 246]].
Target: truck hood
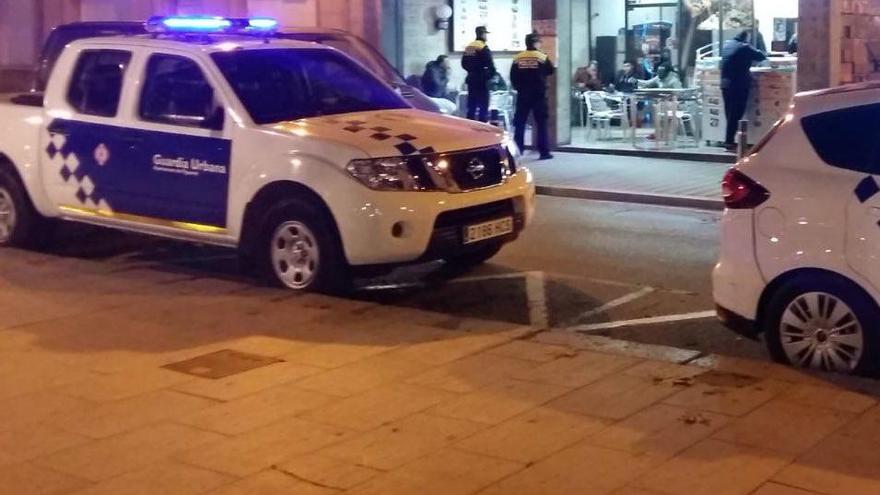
[[390, 133]]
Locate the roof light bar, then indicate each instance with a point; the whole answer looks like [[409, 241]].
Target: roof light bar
[[210, 24]]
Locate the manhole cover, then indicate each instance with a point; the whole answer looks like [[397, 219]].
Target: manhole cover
[[221, 364]]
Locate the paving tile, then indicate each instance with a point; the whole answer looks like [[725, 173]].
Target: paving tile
[[580, 469], [665, 371], [633, 490], [328, 471], [102, 459], [260, 449], [118, 386], [249, 382], [253, 411], [532, 351], [579, 370], [166, 478], [334, 355], [784, 426], [446, 472], [472, 373], [733, 401], [402, 441], [25, 444], [26, 374], [660, 430], [614, 397], [272, 482], [363, 375], [777, 489], [500, 401], [28, 479], [844, 463], [453, 346], [269, 345], [712, 467], [104, 419], [26, 410], [829, 397], [378, 406], [532, 435]]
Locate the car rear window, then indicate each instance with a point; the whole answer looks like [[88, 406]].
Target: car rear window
[[846, 138]]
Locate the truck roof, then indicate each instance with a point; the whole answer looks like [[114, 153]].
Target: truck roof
[[199, 42]]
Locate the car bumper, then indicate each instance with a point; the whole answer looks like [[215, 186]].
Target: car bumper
[[737, 283], [739, 324], [401, 227]]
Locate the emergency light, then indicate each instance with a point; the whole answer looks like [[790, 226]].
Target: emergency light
[[211, 24]]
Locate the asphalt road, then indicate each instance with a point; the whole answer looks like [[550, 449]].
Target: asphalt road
[[585, 266]]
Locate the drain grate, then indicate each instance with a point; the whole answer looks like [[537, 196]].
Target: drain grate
[[221, 364]]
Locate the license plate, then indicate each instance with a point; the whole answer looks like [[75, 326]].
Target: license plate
[[488, 230]]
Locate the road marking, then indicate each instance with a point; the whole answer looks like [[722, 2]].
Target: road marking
[[643, 321], [620, 301], [537, 299]]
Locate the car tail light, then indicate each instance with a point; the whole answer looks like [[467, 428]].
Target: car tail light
[[741, 192]]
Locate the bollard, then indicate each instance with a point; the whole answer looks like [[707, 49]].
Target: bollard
[[742, 139]]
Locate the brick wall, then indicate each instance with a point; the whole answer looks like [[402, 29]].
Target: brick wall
[[860, 41]]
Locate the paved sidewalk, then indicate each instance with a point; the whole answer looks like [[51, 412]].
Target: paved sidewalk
[[125, 382], [630, 179]]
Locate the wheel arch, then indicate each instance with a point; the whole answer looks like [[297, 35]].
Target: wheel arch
[[270, 195], [785, 278]]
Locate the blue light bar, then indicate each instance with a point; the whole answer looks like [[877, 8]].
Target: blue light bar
[[210, 24]]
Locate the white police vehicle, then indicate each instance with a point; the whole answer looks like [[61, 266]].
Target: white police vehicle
[[289, 151], [800, 248]]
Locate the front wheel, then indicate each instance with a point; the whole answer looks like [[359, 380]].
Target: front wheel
[[301, 251], [20, 224], [824, 323]]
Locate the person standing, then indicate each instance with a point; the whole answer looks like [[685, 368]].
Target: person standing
[[477, 61], [737, 58], [529, 74]]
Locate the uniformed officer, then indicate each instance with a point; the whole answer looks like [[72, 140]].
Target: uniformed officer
[[528, 74], [477, 61]]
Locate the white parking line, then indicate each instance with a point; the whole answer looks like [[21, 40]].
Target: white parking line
[[643, 321], [620, 301], [537, 299]]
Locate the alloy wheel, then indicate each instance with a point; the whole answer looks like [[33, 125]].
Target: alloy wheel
[[295, 255], [8, 215]]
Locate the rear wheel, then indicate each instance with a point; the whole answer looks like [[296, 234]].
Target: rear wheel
[[301, 251], [824, 323], [20, 224]]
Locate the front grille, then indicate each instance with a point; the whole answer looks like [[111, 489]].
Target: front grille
[[477, 169], [447, 238]]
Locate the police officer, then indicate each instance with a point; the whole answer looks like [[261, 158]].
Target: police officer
[[477, 61], [528, 74]]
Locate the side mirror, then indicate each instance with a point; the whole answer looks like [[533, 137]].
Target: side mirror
[[215, 120]]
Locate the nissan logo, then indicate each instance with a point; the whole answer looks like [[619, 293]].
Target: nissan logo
[[476, 169]]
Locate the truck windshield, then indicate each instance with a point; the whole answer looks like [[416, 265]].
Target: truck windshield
[[282, 84]]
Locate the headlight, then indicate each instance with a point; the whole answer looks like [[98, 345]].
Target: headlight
[[391, 174]]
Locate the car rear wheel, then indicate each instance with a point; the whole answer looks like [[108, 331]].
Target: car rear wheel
[[824, 323], [20, 224], [301, 250]]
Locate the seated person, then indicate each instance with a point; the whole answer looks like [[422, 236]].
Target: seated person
[[666, 78], [587, 78], [497, 83], [626, 80]]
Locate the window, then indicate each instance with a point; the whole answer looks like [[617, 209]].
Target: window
[[176, 92], [288, 84], [846, 138], [96, 84]]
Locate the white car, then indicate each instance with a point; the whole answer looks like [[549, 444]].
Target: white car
[[289, 151], [800, 250]]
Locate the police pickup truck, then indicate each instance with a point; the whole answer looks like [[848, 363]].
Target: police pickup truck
[[291, 152]]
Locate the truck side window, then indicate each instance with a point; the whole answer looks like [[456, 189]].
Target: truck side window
[[96, 84], [176, 92]]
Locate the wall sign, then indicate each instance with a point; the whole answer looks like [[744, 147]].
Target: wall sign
[[509, 21]]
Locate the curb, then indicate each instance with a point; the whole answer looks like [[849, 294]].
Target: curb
[[662, 155], [644, 198]]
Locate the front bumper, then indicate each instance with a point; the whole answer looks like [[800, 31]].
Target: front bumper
[[379, 228]]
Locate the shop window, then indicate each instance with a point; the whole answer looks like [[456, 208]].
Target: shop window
[[846, 138]]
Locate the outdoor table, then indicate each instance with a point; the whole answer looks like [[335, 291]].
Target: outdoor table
[[664, 104]]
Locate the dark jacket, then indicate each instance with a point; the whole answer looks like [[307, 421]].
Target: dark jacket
[[626, 83], [737, 58], [477, 61], [435, 80], [584, 80], [529, 73]]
